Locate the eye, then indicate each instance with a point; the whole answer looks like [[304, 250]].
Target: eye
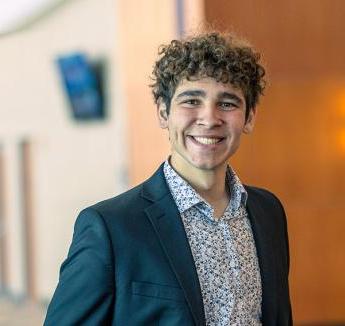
[[191, 102], [227, 105]]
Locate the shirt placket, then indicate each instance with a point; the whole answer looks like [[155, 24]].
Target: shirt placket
[[234, 263]]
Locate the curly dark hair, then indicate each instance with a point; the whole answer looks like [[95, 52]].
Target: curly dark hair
[[223, 57]]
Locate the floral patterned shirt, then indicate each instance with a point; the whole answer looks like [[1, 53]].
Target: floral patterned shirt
[[223, 250]]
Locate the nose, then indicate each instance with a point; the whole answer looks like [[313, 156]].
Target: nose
[[210, 117]]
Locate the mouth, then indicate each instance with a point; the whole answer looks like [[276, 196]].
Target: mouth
[[207, 140]]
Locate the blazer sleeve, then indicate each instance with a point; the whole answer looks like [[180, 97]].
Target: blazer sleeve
[[85, 293]]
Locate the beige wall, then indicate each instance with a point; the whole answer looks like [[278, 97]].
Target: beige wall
[[73, 164]]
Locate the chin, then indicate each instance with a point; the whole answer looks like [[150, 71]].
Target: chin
[[208, 165]]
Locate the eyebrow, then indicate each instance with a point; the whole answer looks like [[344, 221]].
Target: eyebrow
[[195, 92], [231, 96], [201, 93]]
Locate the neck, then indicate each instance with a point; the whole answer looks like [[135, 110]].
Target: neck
[[210, 184]]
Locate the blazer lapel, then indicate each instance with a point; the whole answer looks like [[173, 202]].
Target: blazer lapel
[[263, 240], [166, 221]]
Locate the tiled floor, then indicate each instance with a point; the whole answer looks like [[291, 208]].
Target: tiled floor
[[25, 314]]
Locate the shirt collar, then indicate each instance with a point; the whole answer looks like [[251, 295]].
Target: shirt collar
[[239, 195], [186, 197], [183, 193]]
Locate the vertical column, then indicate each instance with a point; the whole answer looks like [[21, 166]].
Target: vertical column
[[14, 228], [190, 16], [148, 145], [3, 258], [194, 15], [28, 218]]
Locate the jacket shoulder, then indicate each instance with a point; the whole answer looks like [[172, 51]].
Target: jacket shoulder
[[264, 196], [134, 200], [119, 200]]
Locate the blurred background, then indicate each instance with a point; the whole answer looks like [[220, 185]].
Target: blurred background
[[78, 125]]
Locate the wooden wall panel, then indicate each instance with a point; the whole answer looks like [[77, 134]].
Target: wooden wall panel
[[299, 37], [298, 147]]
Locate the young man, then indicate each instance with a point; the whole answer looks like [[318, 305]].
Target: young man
[[191, 245]]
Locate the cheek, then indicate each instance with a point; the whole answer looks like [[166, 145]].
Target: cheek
[[236, 124], [182, 117], [178, 124], [174, 133], [176, 137]]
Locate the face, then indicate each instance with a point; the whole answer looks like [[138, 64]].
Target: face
[[205, 124]]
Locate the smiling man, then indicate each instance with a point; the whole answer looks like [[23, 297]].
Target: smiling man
[[191, 245]]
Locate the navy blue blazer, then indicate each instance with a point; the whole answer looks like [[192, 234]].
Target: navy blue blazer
[[130, 262]]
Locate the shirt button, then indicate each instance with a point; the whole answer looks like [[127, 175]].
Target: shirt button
[[232, 264]]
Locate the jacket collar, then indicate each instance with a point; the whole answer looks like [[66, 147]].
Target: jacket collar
[[166, 221]]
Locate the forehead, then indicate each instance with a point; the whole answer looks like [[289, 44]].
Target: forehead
[[209, 85]]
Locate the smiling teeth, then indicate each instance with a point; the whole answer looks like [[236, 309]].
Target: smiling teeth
[[207, 141]]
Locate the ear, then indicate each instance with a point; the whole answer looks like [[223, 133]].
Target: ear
[[249, 125], [162, 115]]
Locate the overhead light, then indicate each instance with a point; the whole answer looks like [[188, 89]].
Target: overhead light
[[15, 14]]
